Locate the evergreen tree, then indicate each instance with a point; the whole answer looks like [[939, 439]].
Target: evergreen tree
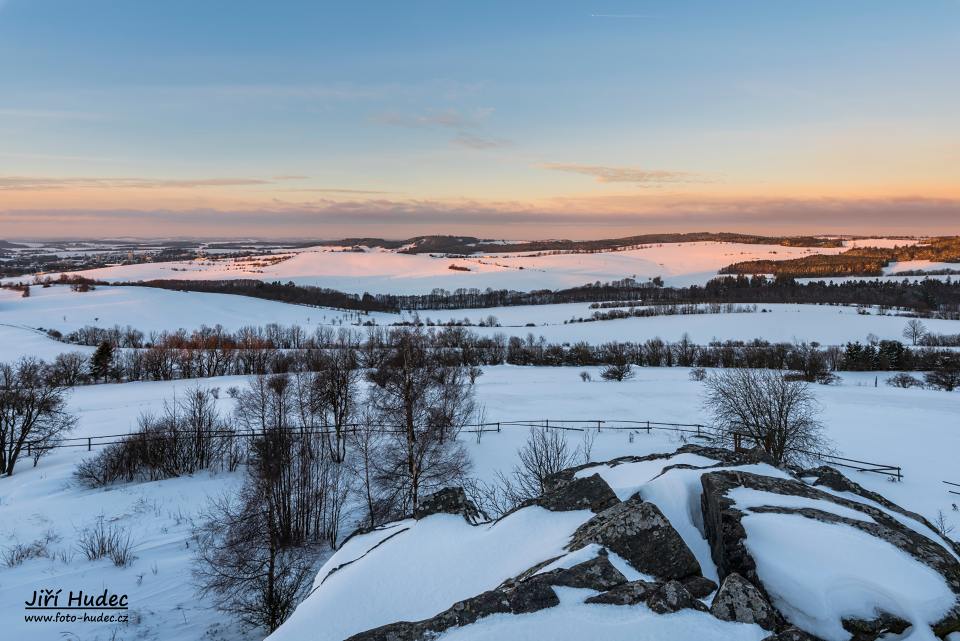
[[101, 363]]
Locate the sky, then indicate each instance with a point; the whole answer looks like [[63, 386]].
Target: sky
[[519, 119]]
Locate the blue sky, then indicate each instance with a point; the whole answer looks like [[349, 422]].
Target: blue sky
[[581, 118]]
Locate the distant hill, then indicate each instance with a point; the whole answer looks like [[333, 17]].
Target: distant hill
[[470, 244], [6, 244]]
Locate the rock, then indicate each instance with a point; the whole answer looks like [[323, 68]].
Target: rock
[[885, 623], [586, 493], [739, 600], [672, 597], [525, 597], [596, 574], [630, 593], [662, 598], [727, 457], [699, 586], [792, 634], [638, 531], [449, 500]]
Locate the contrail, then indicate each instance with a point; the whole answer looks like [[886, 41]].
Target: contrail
[[617, 15]]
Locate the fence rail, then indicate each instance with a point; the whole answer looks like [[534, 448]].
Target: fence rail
[[953, 485], [695, 430]]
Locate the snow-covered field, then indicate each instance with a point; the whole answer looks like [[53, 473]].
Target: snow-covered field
[[912, 428], [152, 310], [379, 270]]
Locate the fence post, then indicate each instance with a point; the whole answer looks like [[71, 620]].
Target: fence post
[[648, 427], [547, 421], [89, 443], [498, 427], [598, 427]]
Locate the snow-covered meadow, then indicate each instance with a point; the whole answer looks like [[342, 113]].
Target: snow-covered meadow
[[911, 428], [156, 310], [378, 270]]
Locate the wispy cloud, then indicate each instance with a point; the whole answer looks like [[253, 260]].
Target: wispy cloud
[[338, 190], [403, 218], [446, 118], [43, 183], [635, 175], [468, 125], [474, 141]]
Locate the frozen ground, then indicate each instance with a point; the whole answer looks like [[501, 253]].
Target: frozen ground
[[154, 310], [911, 428]]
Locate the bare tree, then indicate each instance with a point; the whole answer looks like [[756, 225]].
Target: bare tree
[[33, 411], [336, 390], [424, 402], [763, 406], [914, 331], [545, 453], [243, 565], [366, 441]]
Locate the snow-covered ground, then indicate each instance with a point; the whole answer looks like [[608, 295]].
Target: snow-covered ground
[[152, 310], [911, 428], [379, 270]]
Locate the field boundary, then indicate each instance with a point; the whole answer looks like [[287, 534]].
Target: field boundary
[[694, 430]]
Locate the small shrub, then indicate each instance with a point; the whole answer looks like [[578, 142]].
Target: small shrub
[[618, 372], [18, 553], [104, 540], [585, 377], [904, 380], [698, 374]]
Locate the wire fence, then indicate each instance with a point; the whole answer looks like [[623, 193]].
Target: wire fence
[[692, 430], [957, 485]]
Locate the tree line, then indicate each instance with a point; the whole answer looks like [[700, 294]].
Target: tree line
[[122, 354], [928, 297], [856, 261]]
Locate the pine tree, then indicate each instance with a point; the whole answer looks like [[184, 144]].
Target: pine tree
[[101, 363]]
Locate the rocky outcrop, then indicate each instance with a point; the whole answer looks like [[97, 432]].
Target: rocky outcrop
[[739, 600], [640, 533], [449, 500], [725, 533]]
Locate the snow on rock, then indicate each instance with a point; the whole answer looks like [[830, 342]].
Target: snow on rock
[[423, 568], [827, 571], [822, 575]]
